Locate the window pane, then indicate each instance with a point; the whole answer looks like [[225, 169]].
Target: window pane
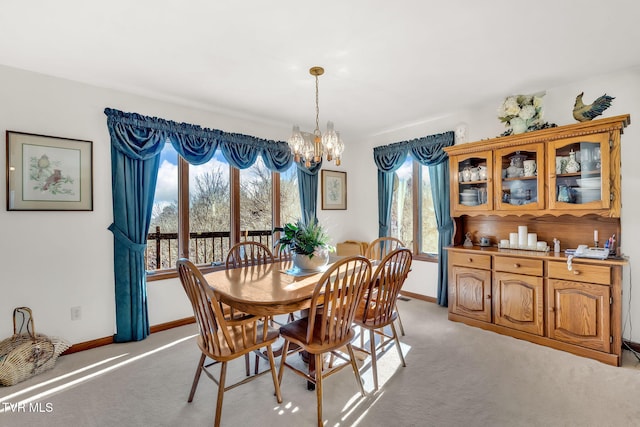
[[402, 204], [164, 217], [256, 203], [429, 228], [209, 210], [289, 196]]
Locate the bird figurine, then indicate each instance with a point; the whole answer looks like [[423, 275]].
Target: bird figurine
[[583, 113]]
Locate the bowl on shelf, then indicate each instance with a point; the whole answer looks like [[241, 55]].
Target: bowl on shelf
[[591, 183], [586, 195]]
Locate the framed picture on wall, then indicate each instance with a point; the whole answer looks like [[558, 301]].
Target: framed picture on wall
[[334, 190], [48, 173]]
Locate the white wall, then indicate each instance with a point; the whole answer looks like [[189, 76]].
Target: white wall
[[52, 261]]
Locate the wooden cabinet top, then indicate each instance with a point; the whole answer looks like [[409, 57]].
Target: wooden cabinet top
[[548, 256], [611, 124]]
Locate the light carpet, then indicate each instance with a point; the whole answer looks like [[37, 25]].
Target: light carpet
[[455, 376]]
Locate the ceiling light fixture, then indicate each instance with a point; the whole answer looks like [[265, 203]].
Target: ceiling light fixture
[[309, 147]]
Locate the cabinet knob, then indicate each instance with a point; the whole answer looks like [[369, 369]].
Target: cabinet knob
[[576, 272], [489, 296], [516, 265], [470, 259]]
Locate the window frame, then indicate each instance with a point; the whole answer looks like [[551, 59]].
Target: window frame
[[417, 214], [183, 216]]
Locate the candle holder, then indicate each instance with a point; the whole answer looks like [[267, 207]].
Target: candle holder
[[595, 243]]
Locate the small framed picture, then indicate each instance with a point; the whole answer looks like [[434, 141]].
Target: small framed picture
[[48, 173], [334, 190]]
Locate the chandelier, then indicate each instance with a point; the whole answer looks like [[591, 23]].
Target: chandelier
[[310, 147]]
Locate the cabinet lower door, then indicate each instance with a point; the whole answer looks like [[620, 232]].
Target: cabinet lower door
[[470, 294], [579, 313], [518, 302]]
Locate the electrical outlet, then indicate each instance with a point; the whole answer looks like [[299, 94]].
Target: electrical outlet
[[76, 313]]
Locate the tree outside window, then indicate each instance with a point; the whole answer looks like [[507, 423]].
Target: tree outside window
[[206, 194], [412, 213]]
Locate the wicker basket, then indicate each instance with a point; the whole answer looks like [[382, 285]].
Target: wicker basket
[[26, 353]]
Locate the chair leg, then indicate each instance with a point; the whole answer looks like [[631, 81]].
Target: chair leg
[[395, 337], [196, 378], [255, 370], [223, 376], [399, 320], [274, 375], [374, 358], [355, 369], [285, 349], [319, 386]]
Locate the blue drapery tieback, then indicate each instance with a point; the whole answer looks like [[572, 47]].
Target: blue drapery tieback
[[122, 238]]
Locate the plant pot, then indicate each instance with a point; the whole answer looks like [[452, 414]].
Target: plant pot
[[310, 263]]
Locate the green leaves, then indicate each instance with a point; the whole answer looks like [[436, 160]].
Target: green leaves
[[303, 239]]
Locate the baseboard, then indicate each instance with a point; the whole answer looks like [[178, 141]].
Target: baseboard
[[88, 345], [172, 324], [418, 296]]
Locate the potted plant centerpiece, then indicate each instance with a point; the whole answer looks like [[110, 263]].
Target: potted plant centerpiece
[[308, 243]]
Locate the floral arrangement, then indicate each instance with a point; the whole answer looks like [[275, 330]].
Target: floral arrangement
[[522, 113], [305, 239]]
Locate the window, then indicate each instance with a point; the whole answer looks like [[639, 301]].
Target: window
[[412, 214], [221, 205]]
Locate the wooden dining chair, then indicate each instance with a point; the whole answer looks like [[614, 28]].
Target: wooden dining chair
[[378, 307], [328, 326], [222, 339], [381, 246], [248, 253], [377, 250]]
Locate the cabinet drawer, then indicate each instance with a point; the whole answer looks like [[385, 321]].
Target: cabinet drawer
[[531, 267], [470, 260], [600, 274]]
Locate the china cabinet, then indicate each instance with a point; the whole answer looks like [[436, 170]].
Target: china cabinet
[[562, 183], [573, 169]]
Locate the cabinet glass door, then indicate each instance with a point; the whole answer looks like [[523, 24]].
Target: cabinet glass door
[[472, 190], [579, 178], [519, 172]]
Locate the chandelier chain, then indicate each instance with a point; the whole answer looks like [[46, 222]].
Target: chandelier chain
[[317, 108]]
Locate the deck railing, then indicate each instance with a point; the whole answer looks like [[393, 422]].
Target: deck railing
[[209, 247]]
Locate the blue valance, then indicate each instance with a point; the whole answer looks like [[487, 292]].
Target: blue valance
[[141, 137], [427, 150]]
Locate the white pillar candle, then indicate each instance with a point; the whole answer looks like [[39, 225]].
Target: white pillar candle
[[532, 240], [541, 246], [513, 240], [522, 235], [595, 235], [504, 243]]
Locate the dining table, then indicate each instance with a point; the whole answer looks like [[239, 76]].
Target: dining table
[[267, 290]]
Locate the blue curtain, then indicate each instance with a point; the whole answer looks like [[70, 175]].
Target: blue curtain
[[428, 151], [308, 189], [439, 176], [136, 144]]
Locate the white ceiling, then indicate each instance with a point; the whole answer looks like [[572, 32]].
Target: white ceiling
[[388, 63]]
